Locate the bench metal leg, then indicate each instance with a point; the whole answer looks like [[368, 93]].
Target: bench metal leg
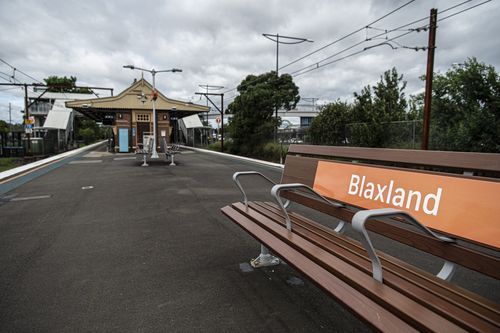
[[172, 162], [264, 259], [144, 161]]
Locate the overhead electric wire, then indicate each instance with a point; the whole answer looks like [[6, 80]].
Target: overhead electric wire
[[319, 64], [376, 36], [385, 32], [16, 79], [464, 10], [18, 70], [369, 26], [11, 88], [338, 40], [348, 35], [9, 77], [5, 77], [347, 56]]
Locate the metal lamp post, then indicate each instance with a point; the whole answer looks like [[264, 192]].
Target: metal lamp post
[[284, 40], [153, 73]]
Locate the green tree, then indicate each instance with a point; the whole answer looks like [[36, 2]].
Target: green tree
[[374, 107], [253, 120], [4, 127], [465, 113], [64, 84], [329, 127], [88, 131]]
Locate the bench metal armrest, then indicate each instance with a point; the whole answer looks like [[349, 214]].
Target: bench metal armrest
[[294, 186], [236, 177], [358, 223]]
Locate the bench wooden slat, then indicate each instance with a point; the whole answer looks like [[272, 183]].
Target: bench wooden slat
[[414, 283], [327, 233], [467, 257], [367, 310], [412, 312]]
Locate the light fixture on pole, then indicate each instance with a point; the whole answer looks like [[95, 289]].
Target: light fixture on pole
[[153, 73], [285, 40]]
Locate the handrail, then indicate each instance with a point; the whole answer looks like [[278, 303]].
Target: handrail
[[358, 223], [292, 186], [236, 175]]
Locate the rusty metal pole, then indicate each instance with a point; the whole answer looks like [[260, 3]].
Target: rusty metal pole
[[428, 79], [26, 118], [222, 122]]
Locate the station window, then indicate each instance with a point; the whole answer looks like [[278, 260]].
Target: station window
[[144, 117], [305, 121]]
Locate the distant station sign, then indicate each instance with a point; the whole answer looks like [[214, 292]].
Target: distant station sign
[[29, 121], [109, 119]]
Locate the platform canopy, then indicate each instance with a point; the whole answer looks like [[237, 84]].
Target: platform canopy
[[59, 117], [192, 122], [136, 97]]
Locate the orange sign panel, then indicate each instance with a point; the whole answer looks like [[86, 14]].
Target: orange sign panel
[[464, 207]]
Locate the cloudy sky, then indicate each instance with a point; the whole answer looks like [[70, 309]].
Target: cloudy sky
[[220, 42]]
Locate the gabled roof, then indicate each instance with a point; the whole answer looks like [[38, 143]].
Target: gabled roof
[[130, 99]]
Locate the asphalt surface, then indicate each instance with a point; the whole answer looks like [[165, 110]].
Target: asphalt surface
[[104, 245]]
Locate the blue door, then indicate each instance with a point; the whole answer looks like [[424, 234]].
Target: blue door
[[123, 139]]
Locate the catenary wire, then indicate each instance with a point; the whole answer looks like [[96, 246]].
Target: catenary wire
[[347, 36], [319, 64], [338, 40], [18, 70]]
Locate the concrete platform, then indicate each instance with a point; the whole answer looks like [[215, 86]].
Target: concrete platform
[[110, 246]]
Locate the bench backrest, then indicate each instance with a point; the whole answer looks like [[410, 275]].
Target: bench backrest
[[455, 193]]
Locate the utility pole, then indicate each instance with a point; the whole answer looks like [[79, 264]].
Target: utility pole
[[209, 87], [10, 117], [26, 118], [221, 111], [428, 78], [10, 125]]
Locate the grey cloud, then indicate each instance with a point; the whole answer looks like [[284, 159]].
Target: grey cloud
[[220, 42]]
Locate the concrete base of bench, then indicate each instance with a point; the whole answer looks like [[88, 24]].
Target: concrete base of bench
[[265, 259]]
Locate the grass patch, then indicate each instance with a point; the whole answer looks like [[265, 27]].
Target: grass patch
[[7, 163]]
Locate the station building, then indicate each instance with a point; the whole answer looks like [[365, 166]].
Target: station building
[[130, 114]]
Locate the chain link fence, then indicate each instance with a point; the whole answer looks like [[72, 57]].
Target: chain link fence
[[396, 134]]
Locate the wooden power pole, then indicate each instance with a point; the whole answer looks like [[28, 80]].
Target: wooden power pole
[[428, 78], [26, 119]]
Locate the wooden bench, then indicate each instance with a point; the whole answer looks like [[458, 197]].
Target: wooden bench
[[454, 216]]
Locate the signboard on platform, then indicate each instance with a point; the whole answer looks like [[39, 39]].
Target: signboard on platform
[[456, 205]]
